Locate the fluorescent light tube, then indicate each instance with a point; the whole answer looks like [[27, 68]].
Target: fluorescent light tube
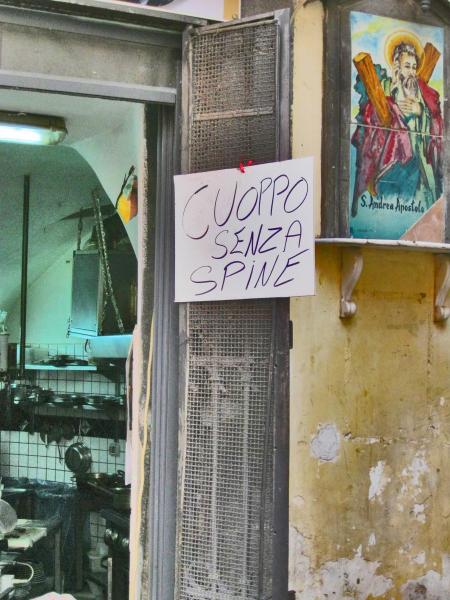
[[23, 128]]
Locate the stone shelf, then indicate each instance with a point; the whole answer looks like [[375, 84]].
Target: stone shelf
[[353, 265]]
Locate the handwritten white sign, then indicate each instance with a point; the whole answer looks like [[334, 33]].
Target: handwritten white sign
[[245, 235]]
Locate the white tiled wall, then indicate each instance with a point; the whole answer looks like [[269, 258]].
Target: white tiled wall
[[26, 455], [97, 527], [77, 382]]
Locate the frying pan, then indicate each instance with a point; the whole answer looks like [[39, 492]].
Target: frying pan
[[78, 458]]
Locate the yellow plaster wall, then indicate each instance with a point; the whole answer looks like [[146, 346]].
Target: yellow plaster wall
[[370, 411], [307, 27], [232, 9]]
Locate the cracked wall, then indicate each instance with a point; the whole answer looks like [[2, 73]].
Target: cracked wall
[[370, 437]]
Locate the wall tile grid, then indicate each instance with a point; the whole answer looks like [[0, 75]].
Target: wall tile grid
[[77, 382], [25, 455]]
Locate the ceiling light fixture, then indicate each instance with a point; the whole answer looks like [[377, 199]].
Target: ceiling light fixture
[[25, 128]]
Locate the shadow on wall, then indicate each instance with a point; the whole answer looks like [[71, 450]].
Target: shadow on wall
[[111, 154], [61, 185]]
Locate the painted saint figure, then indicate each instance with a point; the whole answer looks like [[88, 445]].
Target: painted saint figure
[[398, 139]]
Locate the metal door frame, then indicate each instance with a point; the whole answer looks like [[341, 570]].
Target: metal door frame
[[282, 334]]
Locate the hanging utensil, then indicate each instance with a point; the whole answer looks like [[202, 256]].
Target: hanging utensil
[[78, 458], [60, 458], [104, 262], [43, 432], [68, 432]]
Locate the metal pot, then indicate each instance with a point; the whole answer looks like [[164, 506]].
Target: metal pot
[[102, 479], [78, 458], [23, 392], [121, 498], [20, 392], [8, 518]]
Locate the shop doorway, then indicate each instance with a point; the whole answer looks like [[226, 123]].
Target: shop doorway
[[66, 390], [70, 64]]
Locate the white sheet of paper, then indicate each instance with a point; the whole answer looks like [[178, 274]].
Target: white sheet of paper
[[245, 235]]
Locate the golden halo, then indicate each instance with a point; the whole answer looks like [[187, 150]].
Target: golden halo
[[406, 37]]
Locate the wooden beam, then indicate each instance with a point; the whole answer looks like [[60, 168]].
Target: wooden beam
[[430, 58], [366, 70]]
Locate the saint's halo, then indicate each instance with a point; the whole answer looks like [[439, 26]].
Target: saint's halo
[[405, 37]]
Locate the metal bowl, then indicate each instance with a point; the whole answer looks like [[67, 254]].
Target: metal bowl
[[78, 458]]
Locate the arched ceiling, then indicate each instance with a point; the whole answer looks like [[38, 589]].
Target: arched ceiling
[[61, 183]]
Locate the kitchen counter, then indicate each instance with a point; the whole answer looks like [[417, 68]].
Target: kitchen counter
[[29, 532]]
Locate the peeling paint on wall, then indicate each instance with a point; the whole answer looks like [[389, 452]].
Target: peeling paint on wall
[[384, 428], [419, 512], [300, 566], [349, 437], [298, 502], [416, 469], [326, 443], [343, 579], [432, 586], [411, 491], [420, 559], [378, 480]]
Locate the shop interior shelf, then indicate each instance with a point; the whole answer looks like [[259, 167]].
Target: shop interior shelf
[[37, 367]]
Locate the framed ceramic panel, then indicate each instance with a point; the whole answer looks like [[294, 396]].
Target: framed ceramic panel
[[386, 156], [396, 130]]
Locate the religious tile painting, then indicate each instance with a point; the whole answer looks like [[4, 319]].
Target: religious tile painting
[[397, 143]]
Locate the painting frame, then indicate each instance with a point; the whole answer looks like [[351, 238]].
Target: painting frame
[[337, 101]]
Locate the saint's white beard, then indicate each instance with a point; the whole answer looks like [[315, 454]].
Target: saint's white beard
[[410, 86]]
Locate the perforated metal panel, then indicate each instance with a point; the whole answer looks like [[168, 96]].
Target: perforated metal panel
[[229, 438], [225, 522], [234, 100]]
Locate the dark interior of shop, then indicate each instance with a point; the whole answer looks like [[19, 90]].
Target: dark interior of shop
[[67, 311]]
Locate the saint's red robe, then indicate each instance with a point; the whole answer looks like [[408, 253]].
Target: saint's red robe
[[378, 148]]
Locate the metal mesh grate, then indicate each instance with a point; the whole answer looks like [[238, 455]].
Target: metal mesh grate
[[234, 98], [235, 65], [228, 428], [244, 138], [226, 511]]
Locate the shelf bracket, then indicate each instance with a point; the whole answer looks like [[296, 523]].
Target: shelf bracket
[[352, 266], [441, 287]]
